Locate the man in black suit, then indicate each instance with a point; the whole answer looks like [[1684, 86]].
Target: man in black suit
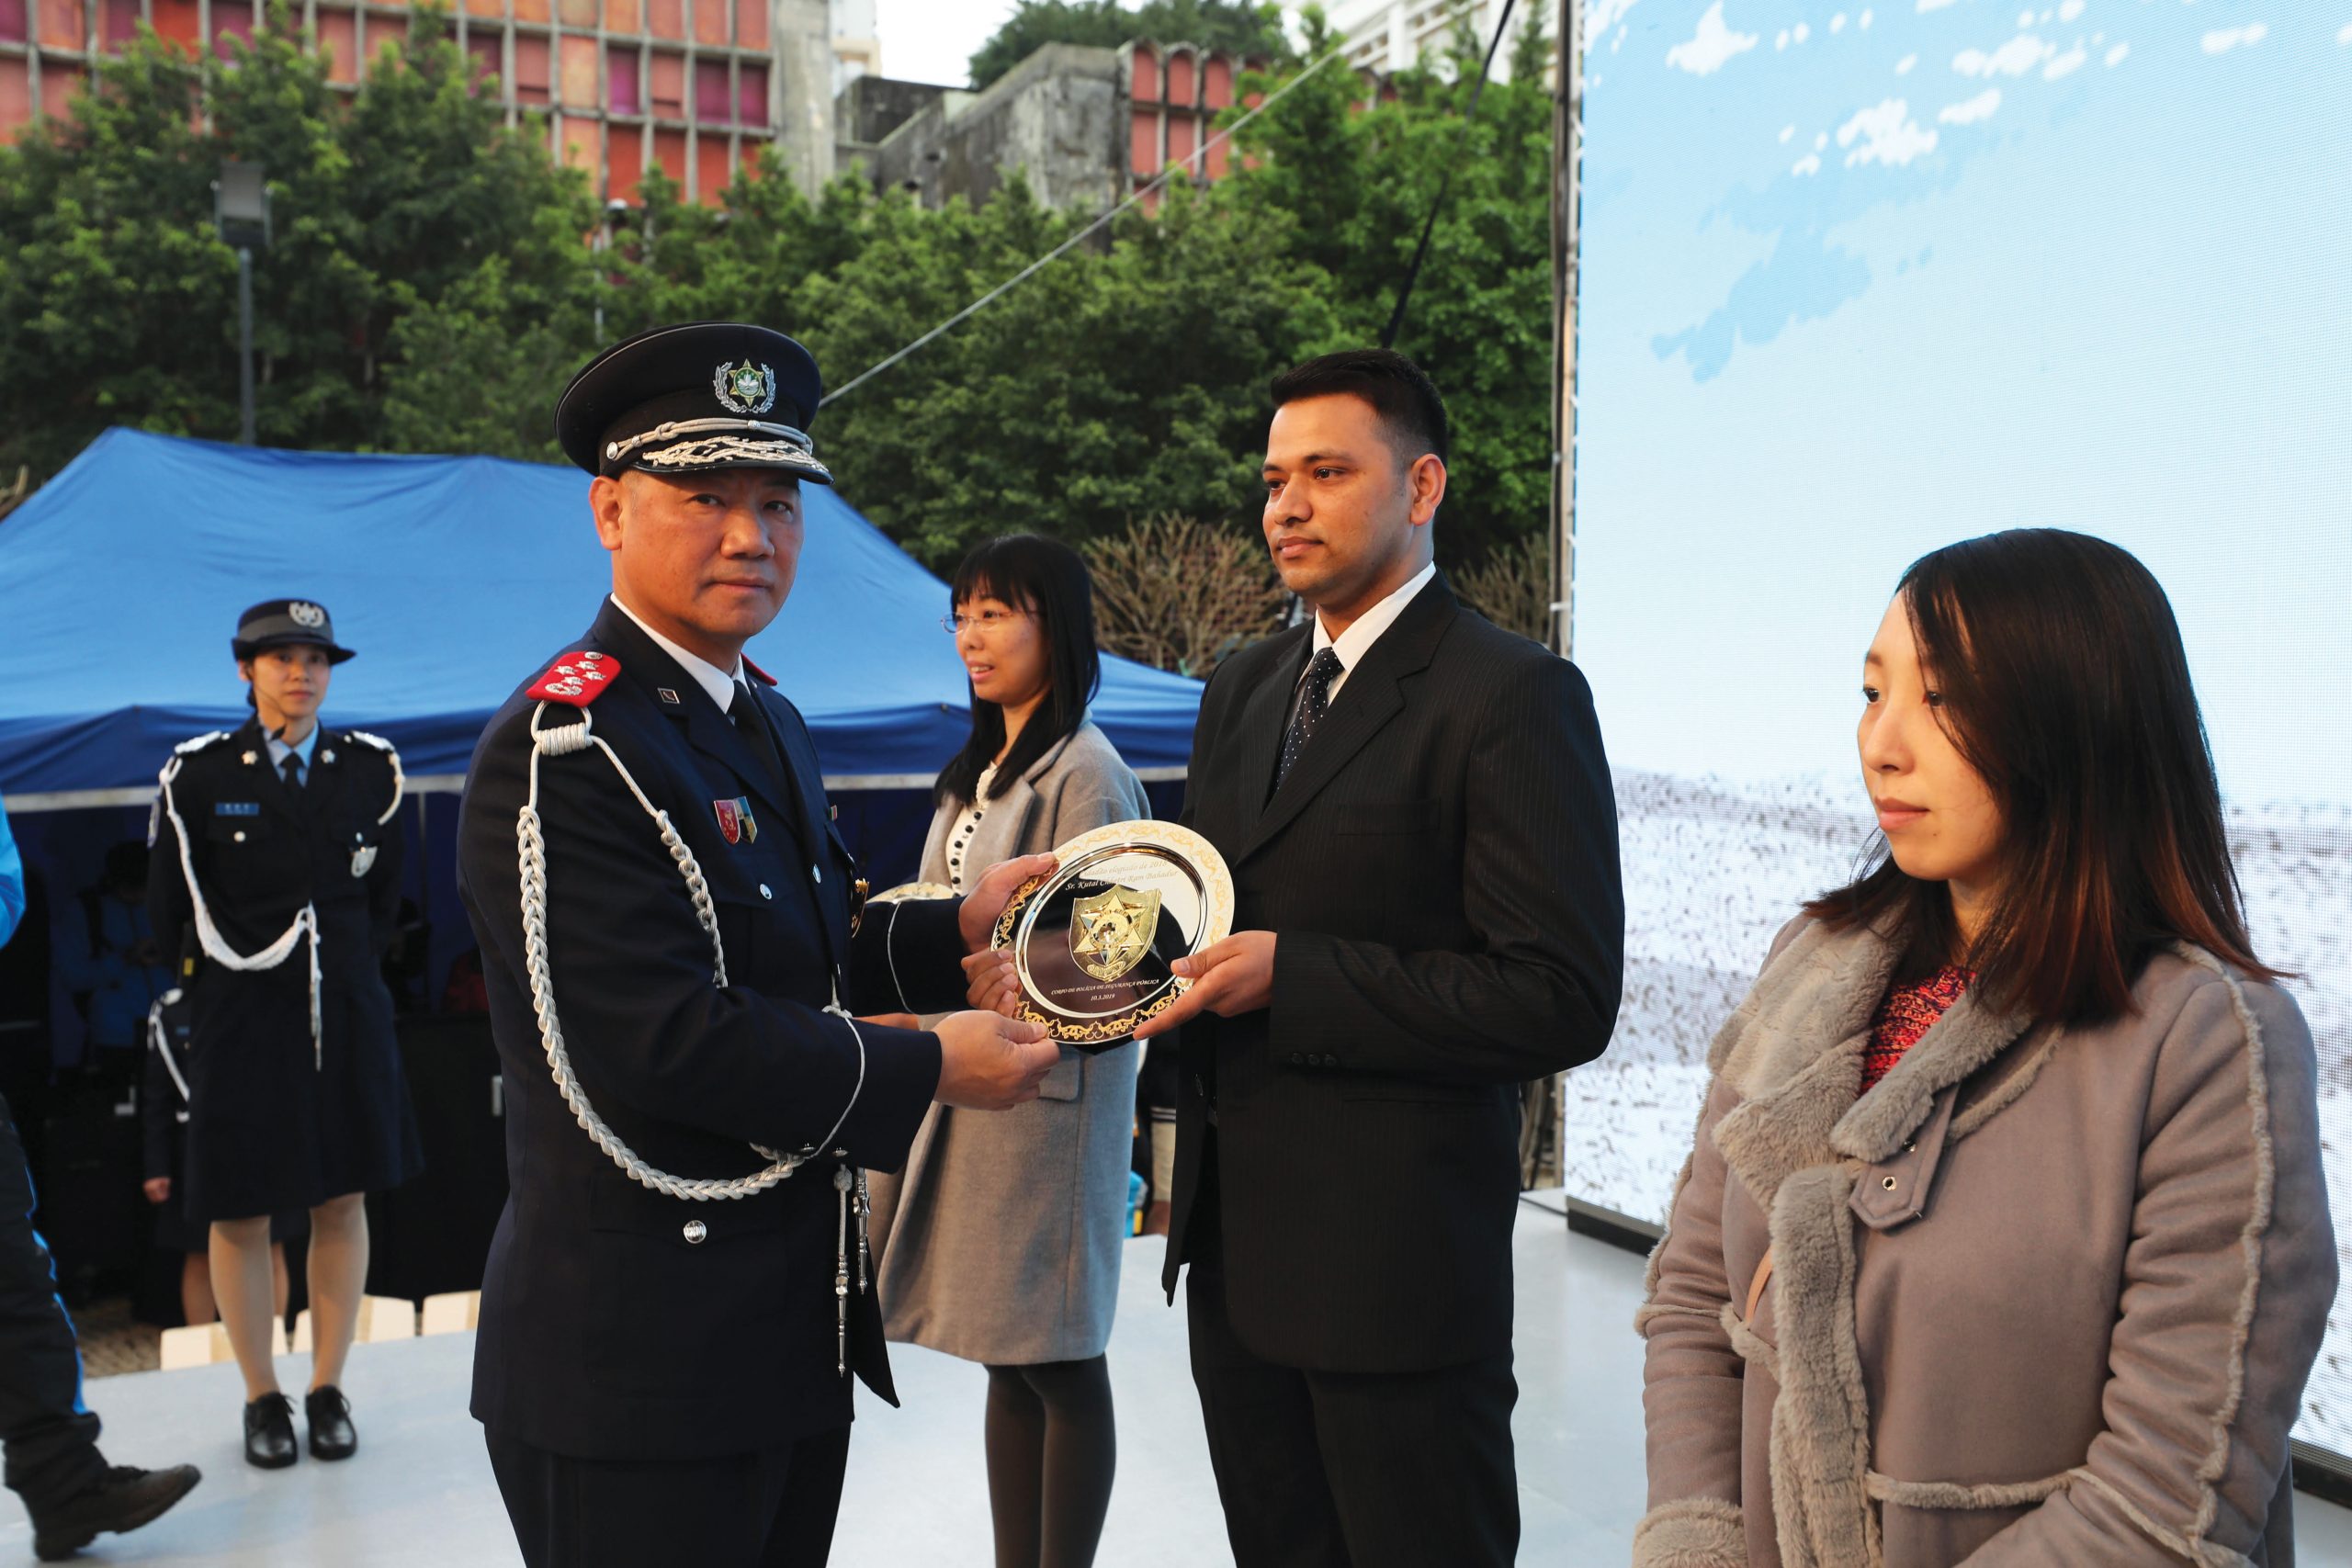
[[680, 1284], [1418, 815]]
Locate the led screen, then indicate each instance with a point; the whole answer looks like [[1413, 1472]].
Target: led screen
[[1857, 282]]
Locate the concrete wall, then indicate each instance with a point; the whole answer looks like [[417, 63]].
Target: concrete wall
[[1060, 115], [804, 70]]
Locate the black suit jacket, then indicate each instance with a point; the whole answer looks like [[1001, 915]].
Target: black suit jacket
[[607, 1330], [1441, 871]]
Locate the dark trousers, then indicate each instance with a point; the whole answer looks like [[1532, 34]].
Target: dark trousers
[[1349, 1470], [51, 1437], [763, 1510]]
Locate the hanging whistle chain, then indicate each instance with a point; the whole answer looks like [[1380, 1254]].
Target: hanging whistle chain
[[843, 1182]]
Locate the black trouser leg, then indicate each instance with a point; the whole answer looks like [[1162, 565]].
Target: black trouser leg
[[764, 1510], [52, 1436]]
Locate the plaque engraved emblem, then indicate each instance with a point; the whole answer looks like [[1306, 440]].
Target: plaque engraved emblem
[[1093, 942], [1111, 931]]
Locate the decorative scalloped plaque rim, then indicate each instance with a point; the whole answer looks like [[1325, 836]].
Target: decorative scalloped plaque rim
[[1216, 915]]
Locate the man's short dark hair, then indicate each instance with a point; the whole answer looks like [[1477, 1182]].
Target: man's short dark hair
[[1399, 390]]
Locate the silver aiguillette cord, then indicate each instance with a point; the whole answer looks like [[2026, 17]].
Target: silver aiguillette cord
[[842, 1184]]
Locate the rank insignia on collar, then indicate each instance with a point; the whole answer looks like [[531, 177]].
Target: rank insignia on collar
[[666, 694], [575, 678], [735, 820]]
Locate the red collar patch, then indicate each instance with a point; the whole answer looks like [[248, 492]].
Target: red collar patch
[[762, 676], [576, 679]]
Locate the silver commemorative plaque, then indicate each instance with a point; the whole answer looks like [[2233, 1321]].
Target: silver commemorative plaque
[[1092, 942]]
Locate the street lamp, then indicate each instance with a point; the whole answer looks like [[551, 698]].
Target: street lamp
[[240, 211]]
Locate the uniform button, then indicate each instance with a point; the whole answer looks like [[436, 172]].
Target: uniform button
[[695, 1230], [1330, 1061], [763, 891], [1295, 1059], [239, 835], [818, 871]]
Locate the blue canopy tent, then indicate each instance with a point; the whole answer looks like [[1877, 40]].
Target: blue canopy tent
[[121, 579], [455, 578]]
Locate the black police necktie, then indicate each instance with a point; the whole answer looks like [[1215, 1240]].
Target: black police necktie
[[1315, 697], [292, 769], [743, 712]]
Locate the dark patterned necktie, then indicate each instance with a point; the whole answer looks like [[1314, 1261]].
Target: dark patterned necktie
[[292, 769], [1315, 698]]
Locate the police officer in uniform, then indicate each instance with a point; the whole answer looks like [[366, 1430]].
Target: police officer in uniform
[[276, 875], [680, 1287]]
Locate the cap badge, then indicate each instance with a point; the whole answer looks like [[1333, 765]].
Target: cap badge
[[744, 389], [305, 614]]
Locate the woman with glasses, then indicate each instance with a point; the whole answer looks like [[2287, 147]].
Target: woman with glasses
[[1001, 1240], [2004, 1240]]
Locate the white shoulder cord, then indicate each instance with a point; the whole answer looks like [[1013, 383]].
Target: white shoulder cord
[[216, 946], [400, 779], [561, 741], [160, 1037]]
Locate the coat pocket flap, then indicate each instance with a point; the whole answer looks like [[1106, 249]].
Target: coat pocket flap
[[1893, 1192]]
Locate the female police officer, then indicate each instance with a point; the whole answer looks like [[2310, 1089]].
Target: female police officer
[[277, 877]]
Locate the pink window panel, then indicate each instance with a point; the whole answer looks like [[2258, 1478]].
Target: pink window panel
[[670, 86], [577, 14], [339, 36], [60, 24], [231, 18], [710, 171], [1181, 77], [1145, 160], [60, 85], [14, 21], [118, 23], [1217, 82], [1145, 68], [622, 94], [670, 151], [578, 56], [530, 10], [1183, 136], [584, 146], [487, 10], [710, 20], [750, 24], [530, 70], [15, 98], [666, 18], [620, 15], [483, 47], [1217, 157], [626, 165], [176, 20], [751, 95], [710, 92]]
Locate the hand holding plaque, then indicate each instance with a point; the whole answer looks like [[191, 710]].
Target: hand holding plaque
[[1093, 942]]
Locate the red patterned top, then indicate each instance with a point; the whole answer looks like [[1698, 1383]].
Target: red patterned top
[[1907, 1013]]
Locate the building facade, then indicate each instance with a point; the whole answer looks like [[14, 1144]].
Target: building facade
[[1088, 126], [1383, 37], [695, 87]]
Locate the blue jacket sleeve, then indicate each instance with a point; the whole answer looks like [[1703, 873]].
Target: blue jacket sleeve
[[12, 881]]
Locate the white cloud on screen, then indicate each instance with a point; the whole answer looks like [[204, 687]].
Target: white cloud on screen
[[2065, 64], [1926, 6], [1886, 134], [1821, 142], [1787, 131], [2015, 58], [1705, 51], [1808, 164], [2115, 56], [1603, 16], [1837, 23], [1902, 66], [1864, 21], [2345, 38], [2223, 39], [1802, 32], [2071, 9], [1969, 111]]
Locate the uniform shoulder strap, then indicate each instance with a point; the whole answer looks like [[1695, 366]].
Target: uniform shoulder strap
[[400, 779], [576, 679]]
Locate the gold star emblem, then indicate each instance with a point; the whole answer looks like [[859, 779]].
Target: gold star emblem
[[1111, 930]]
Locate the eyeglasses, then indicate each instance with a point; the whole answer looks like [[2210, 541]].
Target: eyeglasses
[[987, 620]]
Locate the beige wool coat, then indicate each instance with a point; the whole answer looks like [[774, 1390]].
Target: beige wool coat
[[2042, 1298], [1001, 1240]]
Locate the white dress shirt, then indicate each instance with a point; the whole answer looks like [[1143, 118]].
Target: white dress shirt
[[717, 683], [1356, 641]]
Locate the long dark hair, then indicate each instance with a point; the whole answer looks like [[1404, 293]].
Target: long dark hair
[[2066, 686], [1050, 580]]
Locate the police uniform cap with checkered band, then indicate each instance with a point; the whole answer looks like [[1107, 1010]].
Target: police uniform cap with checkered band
[[680, 1281], [694, 398]]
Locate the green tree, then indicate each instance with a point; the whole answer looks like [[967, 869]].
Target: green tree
[[1235, 26], [117, 301]]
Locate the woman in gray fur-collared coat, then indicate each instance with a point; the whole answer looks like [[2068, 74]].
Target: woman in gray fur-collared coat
[[1001, 1241], [2004, 1241]]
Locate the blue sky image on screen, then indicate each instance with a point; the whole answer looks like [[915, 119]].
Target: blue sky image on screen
[[1858, 280]]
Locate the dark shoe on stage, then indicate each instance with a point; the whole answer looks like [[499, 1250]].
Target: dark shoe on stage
[[122, 1499], [269, 1432], [329, 1415]]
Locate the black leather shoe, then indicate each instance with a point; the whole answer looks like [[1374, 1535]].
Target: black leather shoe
[[329, 1415], [269, 1432], [122, 1499]]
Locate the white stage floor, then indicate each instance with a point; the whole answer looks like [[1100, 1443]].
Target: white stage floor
[[421, 1490]]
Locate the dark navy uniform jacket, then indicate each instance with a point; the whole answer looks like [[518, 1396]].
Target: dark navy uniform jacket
[[617, 1322], [278, 1121]]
